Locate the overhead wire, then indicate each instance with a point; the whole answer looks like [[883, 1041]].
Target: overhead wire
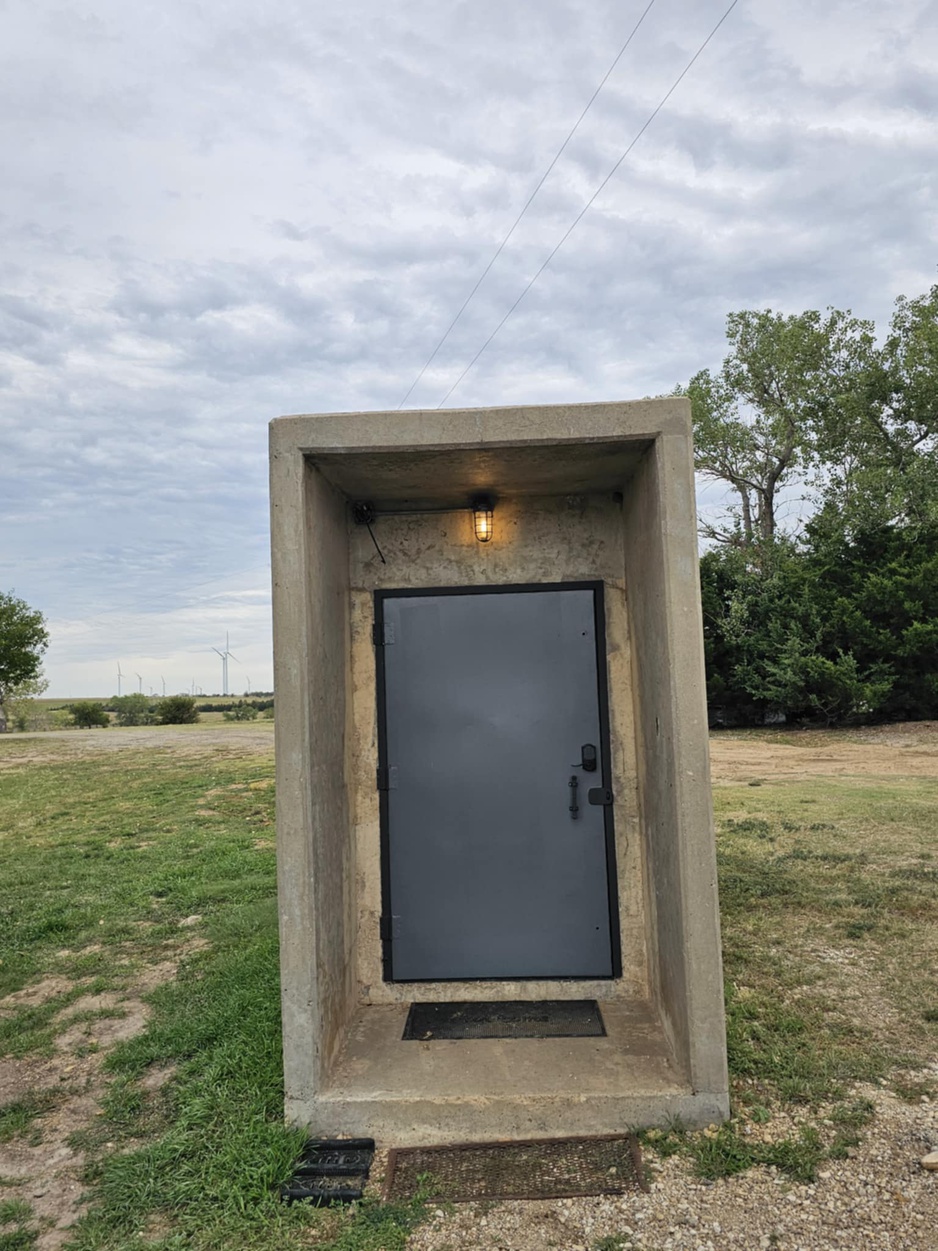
[[582, 213], [498, 251]]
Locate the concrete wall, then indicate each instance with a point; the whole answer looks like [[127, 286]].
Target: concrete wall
[[552, 539], [315, 866], [674, 767], [597, 491]]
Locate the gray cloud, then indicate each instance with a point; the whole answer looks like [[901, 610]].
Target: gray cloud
[[212, 216]]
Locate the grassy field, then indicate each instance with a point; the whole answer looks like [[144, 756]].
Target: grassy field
[[138, 958]]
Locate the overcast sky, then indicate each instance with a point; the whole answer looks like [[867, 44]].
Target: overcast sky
[[214, 214]]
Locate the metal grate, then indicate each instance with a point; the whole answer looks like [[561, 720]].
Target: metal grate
[[546, 1018], [330, 1170], [550, 1168]]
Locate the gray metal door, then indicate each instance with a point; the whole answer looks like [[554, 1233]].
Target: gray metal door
[[486, 703]]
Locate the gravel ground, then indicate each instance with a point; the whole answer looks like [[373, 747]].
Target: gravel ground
[[882, 1198]]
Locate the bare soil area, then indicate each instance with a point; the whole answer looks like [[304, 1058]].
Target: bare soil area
[[907, 750], [44, 1167], [49, 746]]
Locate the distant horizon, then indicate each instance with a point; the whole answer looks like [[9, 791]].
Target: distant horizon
[[47, 698]]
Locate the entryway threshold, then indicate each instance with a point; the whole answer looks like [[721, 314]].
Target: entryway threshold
[[406, 1092]]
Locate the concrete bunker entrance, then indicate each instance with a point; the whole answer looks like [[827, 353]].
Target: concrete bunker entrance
[[593, 502]]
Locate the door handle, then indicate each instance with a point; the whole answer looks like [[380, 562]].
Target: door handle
[[574, 806]]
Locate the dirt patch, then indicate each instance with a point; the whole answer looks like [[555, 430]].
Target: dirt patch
[[40, 1166], [910, 750], [36, 995], [52, 746], [156, 1077]]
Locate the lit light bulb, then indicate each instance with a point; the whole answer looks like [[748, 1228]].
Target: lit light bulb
[[483, 509]]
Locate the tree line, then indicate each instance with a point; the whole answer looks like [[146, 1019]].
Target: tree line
[[834, 619]]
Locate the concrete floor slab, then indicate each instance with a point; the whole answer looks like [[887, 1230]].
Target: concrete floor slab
[[413, 1092]]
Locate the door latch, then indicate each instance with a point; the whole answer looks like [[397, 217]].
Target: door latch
[[600, 795]]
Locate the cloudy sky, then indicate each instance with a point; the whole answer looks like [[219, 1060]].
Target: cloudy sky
[[214, 214]]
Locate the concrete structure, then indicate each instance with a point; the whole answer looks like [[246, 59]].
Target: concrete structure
[[584, 492]]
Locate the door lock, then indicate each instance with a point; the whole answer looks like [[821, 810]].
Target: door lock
[[588, 758]]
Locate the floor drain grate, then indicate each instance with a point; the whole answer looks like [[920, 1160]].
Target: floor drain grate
[[548, 1168], [330, 1170], [515, 1018]]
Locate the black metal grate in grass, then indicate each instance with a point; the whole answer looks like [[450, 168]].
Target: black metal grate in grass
[[547, 1168], [330, 1170], [514, 1018]]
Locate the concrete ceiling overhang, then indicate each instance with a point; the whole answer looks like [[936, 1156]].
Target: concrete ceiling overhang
[[449, 477]]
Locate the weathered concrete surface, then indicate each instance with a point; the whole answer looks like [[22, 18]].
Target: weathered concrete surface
[[674, 779], [412, 1092], [570, 538], [314, 854], [596, 491]]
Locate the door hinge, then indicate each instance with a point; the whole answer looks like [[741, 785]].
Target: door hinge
[[382, 633], [390, 928], [387, 778]]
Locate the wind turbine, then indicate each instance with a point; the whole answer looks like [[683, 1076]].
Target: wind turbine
[[139, 683], [163, 680], [119, 676], [224, 663]]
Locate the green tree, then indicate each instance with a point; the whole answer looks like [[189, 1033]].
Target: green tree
[[771, 648], [757, 421], [877, 591], [88, 714], [880, 450], [23, 639], [22, 708], [134, 709], [177, 710], [241, 711]]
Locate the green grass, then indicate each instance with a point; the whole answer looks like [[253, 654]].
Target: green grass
[[22, 1236], [168, 837], [17, 1117], [829, 906], [103, 858], [829, 897]]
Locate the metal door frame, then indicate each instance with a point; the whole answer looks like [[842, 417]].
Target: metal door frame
[[599, 615]]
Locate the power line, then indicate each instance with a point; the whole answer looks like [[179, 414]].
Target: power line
[[582, 213], [498, 251]]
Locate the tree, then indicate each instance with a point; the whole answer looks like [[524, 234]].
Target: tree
[[877, 591], [881, 450], [242, 711], [133, 709], [88, 714], [837, 628], [756, 422], [177, 710], [23, 639], [22, 708]]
